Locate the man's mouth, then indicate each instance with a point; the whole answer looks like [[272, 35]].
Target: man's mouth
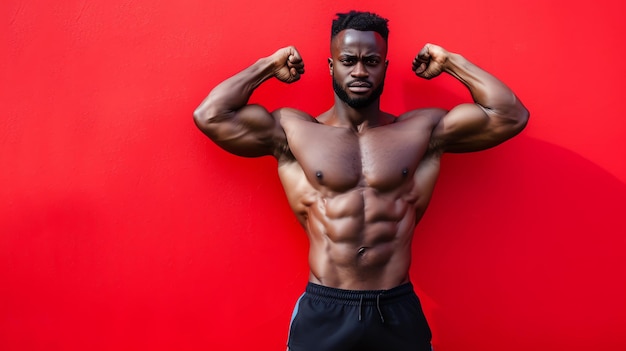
[[359, 86]]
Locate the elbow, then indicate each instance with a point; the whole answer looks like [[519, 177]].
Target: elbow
[[210, 120], [201, 116], [522, 118], [514, 122], [204, 116], [203, 119], [198, 117], [206, 111], [517, 117]]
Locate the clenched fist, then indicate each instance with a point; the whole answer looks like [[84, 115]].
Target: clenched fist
[[430, 61], [288, 65]]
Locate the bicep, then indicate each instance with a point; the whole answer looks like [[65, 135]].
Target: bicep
[[471, 127], [250, 131]]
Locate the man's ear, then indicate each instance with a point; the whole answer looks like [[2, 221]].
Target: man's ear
[[330, 66]]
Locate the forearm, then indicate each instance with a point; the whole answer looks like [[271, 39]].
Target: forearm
[[234, 93], [486, 90]]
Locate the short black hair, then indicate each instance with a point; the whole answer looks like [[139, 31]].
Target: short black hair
[[363, 21]]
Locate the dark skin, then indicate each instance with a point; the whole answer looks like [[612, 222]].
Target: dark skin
[[357, 178]]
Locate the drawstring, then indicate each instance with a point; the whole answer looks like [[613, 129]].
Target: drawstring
[[378, 307], [380, 312], [360, 307], [362, 299]]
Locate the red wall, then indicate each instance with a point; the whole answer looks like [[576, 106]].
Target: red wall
[[124, 228]]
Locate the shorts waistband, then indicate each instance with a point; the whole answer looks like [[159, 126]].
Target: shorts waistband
[[358, 297]]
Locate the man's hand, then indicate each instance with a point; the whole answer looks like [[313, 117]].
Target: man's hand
[[288, 65], [430, 61]]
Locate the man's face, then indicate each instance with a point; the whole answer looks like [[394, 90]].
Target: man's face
[[358, 66]]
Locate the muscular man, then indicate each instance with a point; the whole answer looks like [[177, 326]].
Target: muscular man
[[359, 179]]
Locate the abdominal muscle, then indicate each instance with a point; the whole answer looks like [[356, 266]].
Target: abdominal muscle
[[360, 238]]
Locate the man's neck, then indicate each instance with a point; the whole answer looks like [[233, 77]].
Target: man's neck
[[359, 120]]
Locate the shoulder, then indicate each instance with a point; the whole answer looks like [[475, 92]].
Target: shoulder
[[425, 121], [287, 114], [287, 120], [430, 115]]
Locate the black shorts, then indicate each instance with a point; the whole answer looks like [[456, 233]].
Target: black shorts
[[329, 319]]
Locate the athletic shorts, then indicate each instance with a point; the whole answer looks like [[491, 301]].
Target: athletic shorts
[[329, 319]]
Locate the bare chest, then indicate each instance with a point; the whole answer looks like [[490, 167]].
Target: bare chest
[[341, 159]]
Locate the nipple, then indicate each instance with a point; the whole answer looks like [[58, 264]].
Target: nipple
[[405, 172], [319, 175]]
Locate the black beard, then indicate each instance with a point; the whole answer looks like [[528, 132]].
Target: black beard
[[359, 102]]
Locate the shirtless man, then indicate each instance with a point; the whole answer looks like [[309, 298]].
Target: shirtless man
[[359, 179]]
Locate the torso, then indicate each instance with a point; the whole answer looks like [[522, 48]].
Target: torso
[[359, 196]]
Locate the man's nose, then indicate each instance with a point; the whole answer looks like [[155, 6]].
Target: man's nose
[[359, 70]]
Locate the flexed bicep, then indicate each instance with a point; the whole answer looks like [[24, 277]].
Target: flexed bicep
[[495, 116], [471, 127], [250, 131], [241, 128]]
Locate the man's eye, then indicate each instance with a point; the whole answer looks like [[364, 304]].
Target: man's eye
[[347, 61]]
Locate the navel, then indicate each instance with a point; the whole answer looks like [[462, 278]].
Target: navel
[[361, 251]]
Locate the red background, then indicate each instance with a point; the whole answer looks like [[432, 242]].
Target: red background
[[124, 228]]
